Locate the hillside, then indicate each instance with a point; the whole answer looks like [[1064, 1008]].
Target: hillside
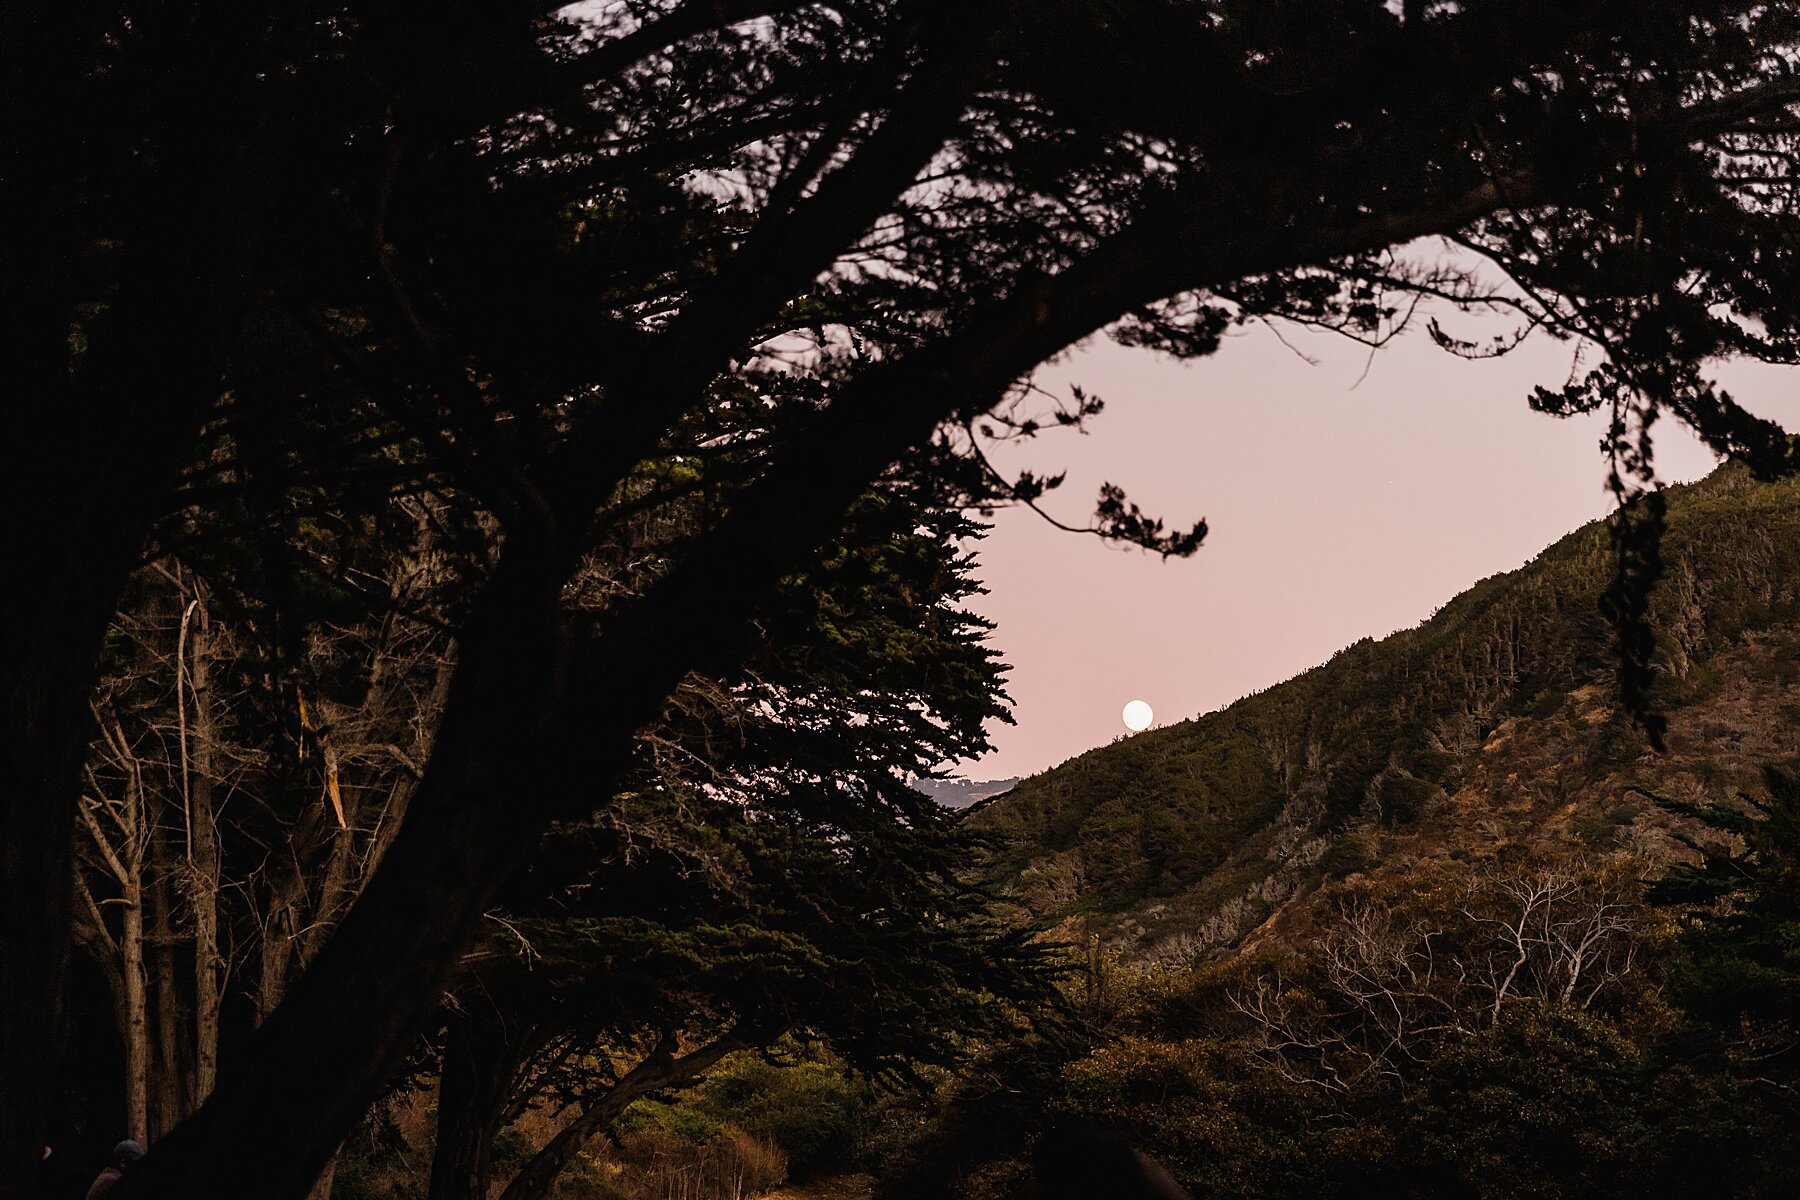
[[1492, 722]]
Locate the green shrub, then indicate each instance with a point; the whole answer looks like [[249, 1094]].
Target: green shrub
[[1545, 1103]]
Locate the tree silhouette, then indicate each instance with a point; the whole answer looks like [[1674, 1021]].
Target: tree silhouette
[[1739, 977], [272, 256]]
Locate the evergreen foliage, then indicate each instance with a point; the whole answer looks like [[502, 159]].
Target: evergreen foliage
[[1739, 978], [767, 872]]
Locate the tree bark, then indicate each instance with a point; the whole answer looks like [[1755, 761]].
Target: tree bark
[[172, 1069], [203, 849], [47, 645], [122, 958], [321, 1188], [275, 943], [482, 1056], [136, 1012]]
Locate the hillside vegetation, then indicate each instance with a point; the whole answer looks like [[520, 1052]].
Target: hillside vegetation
[[1493, 723], [1433, 921]]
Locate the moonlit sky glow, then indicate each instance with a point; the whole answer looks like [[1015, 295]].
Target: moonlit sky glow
[[1348, 497]]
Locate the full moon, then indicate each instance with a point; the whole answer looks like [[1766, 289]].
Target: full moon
[[1138, 716]]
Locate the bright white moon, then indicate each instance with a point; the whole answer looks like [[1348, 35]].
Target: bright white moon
[[1138, 716]]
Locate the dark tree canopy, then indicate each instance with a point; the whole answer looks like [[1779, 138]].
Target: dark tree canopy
[[766, 872], [1740, 978], [746, 261]]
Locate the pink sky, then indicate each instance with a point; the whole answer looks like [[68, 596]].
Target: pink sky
[[1338, 511]]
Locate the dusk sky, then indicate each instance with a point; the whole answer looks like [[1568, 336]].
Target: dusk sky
[[1338, 510]]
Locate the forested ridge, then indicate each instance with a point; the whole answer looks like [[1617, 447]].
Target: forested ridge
[[1433, 920], [1496, 719]]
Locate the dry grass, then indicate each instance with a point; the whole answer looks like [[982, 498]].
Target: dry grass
[[838, 1187]]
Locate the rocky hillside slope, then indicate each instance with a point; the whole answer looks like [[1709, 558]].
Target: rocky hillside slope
[[1493, 722]]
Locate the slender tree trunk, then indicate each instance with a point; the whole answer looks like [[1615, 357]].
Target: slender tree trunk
[[172, 1069], [136, 1013], [661, 1069], [117, 830], [207, 965], [203, 852]]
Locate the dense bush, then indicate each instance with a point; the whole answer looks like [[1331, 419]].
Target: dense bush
[[754, 1124]]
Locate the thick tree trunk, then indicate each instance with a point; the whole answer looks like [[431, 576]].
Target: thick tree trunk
[[275, 948], [35, 869], [80, 498], [482, 1055], [321, 1188], [53, 623], [47, 644]]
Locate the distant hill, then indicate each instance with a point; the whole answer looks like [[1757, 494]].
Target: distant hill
[[961, 793], [1494, 722]]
